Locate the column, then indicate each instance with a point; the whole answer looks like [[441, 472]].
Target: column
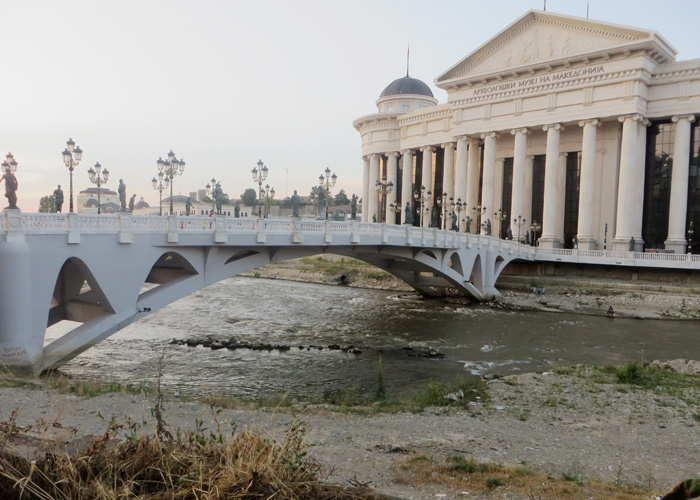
[[461, 170], [448, 178], [679, 185], [487, 180], [561, 196], [527, 202], [640, 160], [406, 183], [391, 176], [586, 193], [427, 180], [365, 188], [373, 196], [497, 199], [472, 182], [549, 213], [627, 205], [517, 203]]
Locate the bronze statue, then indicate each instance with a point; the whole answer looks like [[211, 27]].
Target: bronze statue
[[321, 194], [353, 207], [469, 224], [188, 206], [488, 227], [218, 196], [237, 210], [11, 186], [296, 201], [632, 244], [374, 217], [454, 221], [132, 202], [58, 196], [434, 217], [409, 214], [509, 234], [122, 195]]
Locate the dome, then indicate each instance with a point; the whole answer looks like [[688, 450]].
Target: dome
[[142, 204], [406, 86]]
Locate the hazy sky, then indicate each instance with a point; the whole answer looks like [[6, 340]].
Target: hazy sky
[[225, 83]]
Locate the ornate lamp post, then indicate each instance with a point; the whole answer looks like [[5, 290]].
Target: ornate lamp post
[[171, 167], [535, 228], [259, 175], [500, 216], [458, 207], [98, 179], [444, 205], [71, 157], [160, 185], [519, 222], [395, 208], [326, 183], [423, 199], [11, 163], [211, 188], [383, 188], [478, 211], [690, 237]]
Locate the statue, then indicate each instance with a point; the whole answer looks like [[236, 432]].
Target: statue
[[632, 244], [353, 207], [122, 194], [469, 224], [409, 214], [132, 202], [374, 218], [454, 221], [218, 196], [434, 217], [575, 241], [509, 234], [11, 186], [336, 214], [296, 201], [58, 195], [188, 206], [488, 227], [237, 210]]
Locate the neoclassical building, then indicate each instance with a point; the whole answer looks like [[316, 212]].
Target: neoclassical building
[[563, 129]]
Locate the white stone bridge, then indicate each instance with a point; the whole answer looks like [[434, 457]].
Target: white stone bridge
[[107, 271]]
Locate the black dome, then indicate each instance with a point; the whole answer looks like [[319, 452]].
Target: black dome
[[407, 85]]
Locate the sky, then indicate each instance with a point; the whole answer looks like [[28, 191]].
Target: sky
[[224, 83]]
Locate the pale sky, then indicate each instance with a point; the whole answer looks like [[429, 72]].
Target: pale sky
[[225, 83]]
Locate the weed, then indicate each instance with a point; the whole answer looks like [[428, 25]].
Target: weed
[[494, 482]]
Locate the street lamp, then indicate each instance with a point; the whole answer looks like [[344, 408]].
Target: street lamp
[[444, 204], [690, 238], [71, 157], [171, 167], [395, 208], [160, 185], [458, 206], [383, 188], [269, 193], [326, 183], [98, 179], [478, 211], [11, 163], [423, 199], [500, 216], [211, 189], [259, 175], [535, 228], [519, 222]]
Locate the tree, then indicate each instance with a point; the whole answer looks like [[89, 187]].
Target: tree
[[248, 197], [341, 198], [47, 204]]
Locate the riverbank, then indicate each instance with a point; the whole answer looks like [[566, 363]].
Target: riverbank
[[628, 427], [642, 300]]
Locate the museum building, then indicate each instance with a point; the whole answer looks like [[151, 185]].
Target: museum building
[[568, 131]]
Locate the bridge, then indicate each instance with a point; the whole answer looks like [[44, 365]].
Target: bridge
[[107, 271]]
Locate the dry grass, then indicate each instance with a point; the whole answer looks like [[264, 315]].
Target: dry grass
[[199, 464], [489, 480]]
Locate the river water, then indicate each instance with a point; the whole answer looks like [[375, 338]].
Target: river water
[[475, 340]]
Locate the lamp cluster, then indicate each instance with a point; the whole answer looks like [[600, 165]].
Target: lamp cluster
[[98, 176]]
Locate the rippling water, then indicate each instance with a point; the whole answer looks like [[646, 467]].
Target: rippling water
[[475, 340]]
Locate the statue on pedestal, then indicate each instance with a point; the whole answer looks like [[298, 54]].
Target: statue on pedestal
[[296, 201], [11, 186], [488, 227], [122, 195], [58, 196], [219, 197], [237, 210], [469, 224], [434, 217], [409, 214], [132, 202], [353, 207], [188, 206], [454, 221]]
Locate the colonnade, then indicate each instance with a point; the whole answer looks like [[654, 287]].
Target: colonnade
[[471, 180]]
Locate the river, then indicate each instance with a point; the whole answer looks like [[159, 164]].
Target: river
[[475, 340]]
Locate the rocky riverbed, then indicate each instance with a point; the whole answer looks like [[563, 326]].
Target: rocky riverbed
[[579, 422]]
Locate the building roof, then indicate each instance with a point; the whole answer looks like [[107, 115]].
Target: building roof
[[141, 204], [103, 191], [407, 86]]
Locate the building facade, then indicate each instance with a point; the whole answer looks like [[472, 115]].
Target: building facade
[[568, 131]]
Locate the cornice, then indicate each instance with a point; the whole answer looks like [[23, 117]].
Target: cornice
[[443, 113]]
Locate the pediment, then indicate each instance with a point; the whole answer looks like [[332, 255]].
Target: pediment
[[540, 37]]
